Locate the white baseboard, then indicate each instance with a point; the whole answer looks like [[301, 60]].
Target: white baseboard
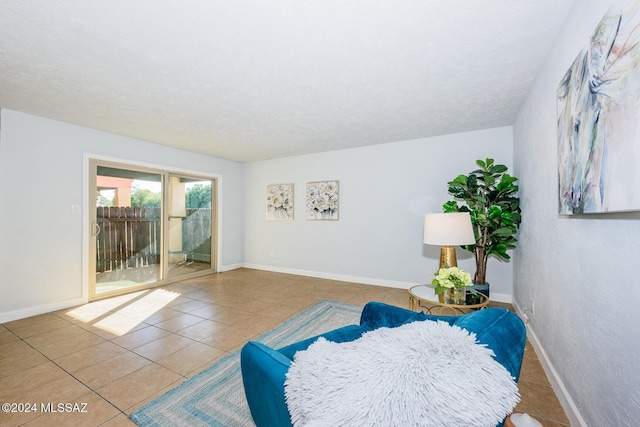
[[356, 279], [567, 403], [39, 309], [47, 308], [332, 276], [230, 267], [505, 298]]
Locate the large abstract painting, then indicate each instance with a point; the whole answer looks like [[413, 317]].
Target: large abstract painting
[[598, 119]]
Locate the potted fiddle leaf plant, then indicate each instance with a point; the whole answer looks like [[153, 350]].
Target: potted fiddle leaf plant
[[489, 195]]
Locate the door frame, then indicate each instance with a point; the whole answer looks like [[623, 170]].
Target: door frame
[[166, 231], [88, 204]]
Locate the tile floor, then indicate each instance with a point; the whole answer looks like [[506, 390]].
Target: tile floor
[[112, 356]]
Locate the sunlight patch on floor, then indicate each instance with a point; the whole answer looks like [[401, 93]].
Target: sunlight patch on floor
[[121, 314]]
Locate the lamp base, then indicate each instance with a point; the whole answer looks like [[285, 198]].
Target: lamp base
[[448, 257]]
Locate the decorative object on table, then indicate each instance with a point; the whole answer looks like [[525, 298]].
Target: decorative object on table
[[453, 282], [598, 119], [280, 202], [424, 298], [323, 200], [489, 196], [215, 397], [448, 230]]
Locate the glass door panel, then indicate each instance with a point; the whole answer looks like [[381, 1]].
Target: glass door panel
[[190, 225], [127, 228]]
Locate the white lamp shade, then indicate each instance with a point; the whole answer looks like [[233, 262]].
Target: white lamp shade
[[448, 229]]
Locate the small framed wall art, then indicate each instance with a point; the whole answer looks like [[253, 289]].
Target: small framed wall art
[[323, 199], [280, 202]]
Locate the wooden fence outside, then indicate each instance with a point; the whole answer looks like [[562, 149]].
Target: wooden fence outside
[[131, 237]]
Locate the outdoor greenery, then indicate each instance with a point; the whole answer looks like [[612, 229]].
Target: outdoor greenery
[[144, 198], [197, 197], [489, 195]]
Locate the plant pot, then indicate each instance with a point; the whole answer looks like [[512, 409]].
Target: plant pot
[[482, 288]]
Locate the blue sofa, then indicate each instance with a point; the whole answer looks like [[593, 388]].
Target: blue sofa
[[264, 368]]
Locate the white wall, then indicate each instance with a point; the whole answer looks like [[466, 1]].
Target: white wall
[[41, 177], [581, 271], [385, 190]]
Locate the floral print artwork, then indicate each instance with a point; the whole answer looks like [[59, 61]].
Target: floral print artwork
[[322, 200], [280, 202]]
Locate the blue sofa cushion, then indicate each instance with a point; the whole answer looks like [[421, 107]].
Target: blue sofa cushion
[[264, 387], [344, 334], [498, 328], [377, 315]]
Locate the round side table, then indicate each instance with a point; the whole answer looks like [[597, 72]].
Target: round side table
[[424, 296]]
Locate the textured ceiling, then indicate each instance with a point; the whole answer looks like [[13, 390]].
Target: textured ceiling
[[250, 80]]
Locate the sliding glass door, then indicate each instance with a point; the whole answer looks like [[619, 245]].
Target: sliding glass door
[[148, 227], [189, 225]]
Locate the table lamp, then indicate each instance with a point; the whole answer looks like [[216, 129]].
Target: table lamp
[[448, 230]]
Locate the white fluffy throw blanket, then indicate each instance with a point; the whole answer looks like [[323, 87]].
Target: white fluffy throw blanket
[[419, 374]]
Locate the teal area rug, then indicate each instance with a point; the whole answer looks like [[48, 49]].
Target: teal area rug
[[215, 397]]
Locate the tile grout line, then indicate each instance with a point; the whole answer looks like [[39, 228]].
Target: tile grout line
[[182, 377], [75, 378], [197, 291], [91, 389]]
